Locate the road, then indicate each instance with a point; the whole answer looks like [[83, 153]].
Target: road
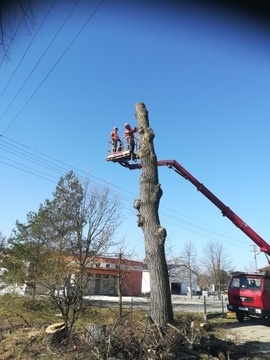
[[253, 335], [180, 303]]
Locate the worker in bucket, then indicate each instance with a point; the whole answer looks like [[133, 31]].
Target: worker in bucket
[[129, 135], [115, 139]]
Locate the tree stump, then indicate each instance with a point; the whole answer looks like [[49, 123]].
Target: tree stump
[[95, 333], [56, 333]]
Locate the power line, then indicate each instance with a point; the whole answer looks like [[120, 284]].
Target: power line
[[50, 71], [27, 167], [54, 166], [38, 62], [17, 151], [27, 49], [43, 160], [12, 39]]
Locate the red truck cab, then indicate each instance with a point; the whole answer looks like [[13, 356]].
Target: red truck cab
[[249, 294]]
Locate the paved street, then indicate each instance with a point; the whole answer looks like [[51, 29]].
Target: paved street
[[180, 303]]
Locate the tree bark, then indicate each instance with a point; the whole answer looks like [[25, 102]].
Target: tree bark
[[148, 219]]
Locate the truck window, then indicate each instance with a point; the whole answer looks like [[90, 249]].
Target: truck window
[[235, 284], [247, 283], [255, 284], [244, 283]]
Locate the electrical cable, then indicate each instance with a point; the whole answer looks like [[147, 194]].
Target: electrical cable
[[12, 39], [27, 49], [169, 217], [38, 62], [28, 167], [51, 70]]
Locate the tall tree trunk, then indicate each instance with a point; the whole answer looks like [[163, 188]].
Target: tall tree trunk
[[148, 219]]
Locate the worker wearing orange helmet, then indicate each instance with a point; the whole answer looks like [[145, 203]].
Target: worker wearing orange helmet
[[129, 135], [115, 139]]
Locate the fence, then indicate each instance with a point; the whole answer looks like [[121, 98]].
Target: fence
[[203, 304]]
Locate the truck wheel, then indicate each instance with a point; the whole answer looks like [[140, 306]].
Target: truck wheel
[[240, 316]]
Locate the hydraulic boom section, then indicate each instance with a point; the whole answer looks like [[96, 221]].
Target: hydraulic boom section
[[225, 210]]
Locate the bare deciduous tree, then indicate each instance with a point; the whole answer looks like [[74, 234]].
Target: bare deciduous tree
[[84, 221], [217, 263], [188, 258], [62, 241], [148, 219], [13, 15], [122, 267]]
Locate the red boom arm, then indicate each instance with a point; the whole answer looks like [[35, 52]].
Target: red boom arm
[[226, 211]]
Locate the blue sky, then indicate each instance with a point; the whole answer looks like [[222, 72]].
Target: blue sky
[[203, 74]]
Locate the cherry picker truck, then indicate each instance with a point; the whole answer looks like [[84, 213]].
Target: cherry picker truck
[[248, 293]]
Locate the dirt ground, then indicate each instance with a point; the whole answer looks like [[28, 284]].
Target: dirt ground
[[252, 333]]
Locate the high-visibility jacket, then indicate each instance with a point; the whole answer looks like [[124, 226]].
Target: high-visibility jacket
[[130, 132], [114, 135]]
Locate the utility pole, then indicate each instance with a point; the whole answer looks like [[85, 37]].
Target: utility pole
[[255, 256]]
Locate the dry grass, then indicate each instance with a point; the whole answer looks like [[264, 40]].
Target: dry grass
[[134, 336], [23, 323]]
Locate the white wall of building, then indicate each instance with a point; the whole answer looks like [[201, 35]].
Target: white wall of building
[[177, 278], [145, 282]]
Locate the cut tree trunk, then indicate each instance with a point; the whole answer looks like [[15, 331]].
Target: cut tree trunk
[[148, 219]]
